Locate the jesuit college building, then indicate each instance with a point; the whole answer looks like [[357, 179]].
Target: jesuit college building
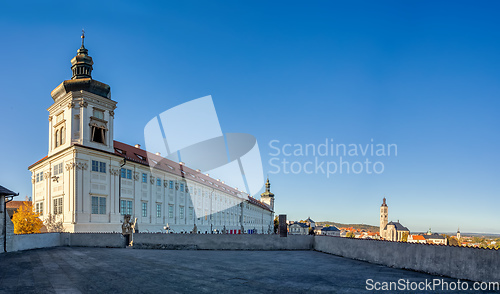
[[89, 181]]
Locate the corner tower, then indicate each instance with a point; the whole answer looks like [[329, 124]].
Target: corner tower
[[83, 111], [268, 197], [384, 215]]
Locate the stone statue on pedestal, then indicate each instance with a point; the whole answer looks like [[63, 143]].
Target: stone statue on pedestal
[[128, 229]]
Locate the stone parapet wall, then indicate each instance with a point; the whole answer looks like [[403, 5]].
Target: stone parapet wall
[[222, 242], [457, 262]]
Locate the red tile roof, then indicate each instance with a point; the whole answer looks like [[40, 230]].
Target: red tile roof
[[38, 161], [14, 204], [143, 157], [418, 237]]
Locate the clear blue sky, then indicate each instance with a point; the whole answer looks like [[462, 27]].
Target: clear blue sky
[[423, 75]]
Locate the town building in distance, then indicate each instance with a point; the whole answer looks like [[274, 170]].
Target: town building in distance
[[89, 181], [309, 227], [392, 231]]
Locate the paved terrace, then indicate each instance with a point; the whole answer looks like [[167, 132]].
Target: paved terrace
[[111, 270]]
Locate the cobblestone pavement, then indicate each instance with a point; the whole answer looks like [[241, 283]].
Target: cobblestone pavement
[[109, 270]]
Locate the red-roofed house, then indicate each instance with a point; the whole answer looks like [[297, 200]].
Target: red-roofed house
[[416, 239], [89, 181]]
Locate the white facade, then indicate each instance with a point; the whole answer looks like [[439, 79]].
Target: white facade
[[79, 180]]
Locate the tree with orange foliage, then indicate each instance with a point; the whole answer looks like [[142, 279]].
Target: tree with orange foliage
[[26, 220]]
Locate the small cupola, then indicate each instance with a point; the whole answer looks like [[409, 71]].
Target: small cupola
[[81, 64]]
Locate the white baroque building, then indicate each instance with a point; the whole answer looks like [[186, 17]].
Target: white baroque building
[[89, 181]]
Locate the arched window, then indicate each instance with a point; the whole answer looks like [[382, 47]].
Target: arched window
[[63, 136], [56, 137]]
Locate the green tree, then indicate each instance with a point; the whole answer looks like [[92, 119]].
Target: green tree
[[350, 234], [311, 231], [276, 224], [452, 241], [26, 220]]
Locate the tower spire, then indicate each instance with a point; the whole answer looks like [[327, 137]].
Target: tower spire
[[83, 37]]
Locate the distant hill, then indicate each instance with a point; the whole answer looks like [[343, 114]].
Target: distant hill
[[356, 226]]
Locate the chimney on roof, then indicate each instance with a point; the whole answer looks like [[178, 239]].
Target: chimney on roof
[[158, 153], [198, 170], [207, 175], [222, 182], [218, 180], [138, 146], [181, 163]]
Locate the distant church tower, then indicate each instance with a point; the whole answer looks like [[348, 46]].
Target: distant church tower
[[83, 111], [384, 215], [268, 197], [458, 234]]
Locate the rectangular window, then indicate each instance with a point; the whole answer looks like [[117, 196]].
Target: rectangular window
[[170, 211], [58, 205], [171, 184], [98, 166], [126, 173], [144, 178], [39, 177], [144, 209], [158, 182], [129, 207], [182, 187], [158, 210], [98, 114], [102, 167], [123, 207], [181, 212], [126, 207], [39, 207], [58, 169], [190, 213], [98, 205]]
